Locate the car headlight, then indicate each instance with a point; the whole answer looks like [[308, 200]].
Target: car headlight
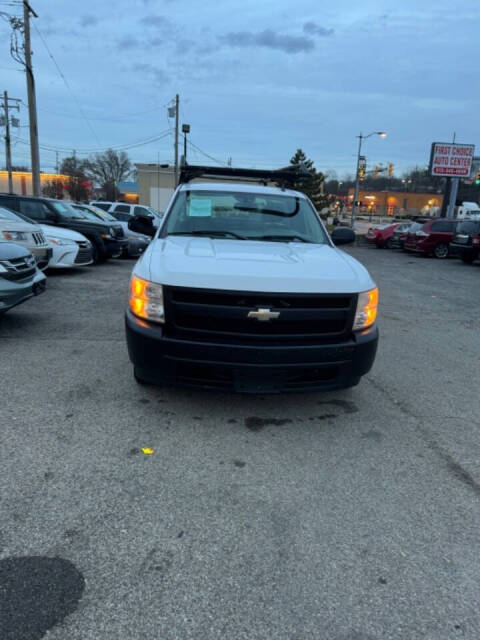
[[15, 235], [60, 241], [146, 300], [3, 269], [366, 312]]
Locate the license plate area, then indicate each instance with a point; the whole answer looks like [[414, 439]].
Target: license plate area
[[257, 382]]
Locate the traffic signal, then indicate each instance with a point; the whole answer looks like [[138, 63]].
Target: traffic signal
[[477, 179], [390, 169], [376, 172]]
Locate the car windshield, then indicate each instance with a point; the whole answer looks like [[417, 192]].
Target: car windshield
[[99, 213], [469, 227], [67, 210], [245, 216], [415, 226]]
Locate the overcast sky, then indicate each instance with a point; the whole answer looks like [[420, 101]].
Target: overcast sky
[[257, 79]]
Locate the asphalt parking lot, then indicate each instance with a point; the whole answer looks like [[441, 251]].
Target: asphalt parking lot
[[348, 516]]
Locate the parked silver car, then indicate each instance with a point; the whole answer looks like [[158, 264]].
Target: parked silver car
[[20, 278], [30, 236]]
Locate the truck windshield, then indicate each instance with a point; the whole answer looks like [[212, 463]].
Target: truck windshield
[[245, 216]]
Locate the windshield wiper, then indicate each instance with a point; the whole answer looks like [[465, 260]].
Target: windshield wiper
[[206, 232], [271, 212], [281, 237]]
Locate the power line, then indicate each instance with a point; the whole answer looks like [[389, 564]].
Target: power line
[[130, 145], [220, 162], [67, 84], [114, 118]]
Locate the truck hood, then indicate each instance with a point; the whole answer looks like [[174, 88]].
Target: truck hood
[[249, 265], [61, 232]]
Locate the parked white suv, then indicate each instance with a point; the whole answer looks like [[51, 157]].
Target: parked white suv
[[124, 211], [243, 289]]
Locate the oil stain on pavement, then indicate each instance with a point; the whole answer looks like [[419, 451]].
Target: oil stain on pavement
[[256, 424], [36, 593]]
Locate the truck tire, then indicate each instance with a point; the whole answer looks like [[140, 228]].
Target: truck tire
[[139, 379], [441, 251]]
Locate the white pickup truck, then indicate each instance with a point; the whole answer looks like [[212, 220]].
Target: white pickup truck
[[243, 289]]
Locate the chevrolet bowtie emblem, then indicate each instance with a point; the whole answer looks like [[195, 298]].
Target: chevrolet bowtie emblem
[[263, 315]]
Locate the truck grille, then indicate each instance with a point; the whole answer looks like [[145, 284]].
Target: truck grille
[[19, 268], [223, 315], [84, 254]]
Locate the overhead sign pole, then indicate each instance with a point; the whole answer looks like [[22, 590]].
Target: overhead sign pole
[[453, 198]]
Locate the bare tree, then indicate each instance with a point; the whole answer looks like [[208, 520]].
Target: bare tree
[[53, 189], [77, 184], [108, 169]]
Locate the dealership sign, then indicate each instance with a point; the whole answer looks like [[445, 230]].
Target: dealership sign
[[451, 160]]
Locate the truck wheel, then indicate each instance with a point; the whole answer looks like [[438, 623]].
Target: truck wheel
[[441, 250], [138, 379], [468, 258]]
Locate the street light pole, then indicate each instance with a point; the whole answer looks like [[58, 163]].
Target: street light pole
[[361, 138], [185, 130], [357, 180]]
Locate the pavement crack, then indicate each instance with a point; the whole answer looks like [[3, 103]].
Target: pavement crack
[[453, 466]]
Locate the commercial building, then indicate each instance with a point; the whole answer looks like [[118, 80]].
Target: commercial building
[[394, 203], [156, 184], [22, 181]]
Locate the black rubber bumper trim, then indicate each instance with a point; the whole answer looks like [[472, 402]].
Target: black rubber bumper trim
[[160, 359]]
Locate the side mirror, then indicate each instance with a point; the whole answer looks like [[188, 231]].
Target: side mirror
[[343, 235], [142, 224]]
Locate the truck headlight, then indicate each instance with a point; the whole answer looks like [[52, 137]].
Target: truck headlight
[[15, 235], [366, 312], [146, 300]]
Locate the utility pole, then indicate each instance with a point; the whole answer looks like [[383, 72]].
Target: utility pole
[[177, 101], [8, 149], [8, 152], [32, 101], [56, 162]]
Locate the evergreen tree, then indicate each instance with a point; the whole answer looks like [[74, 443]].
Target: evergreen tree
[[313, 185]]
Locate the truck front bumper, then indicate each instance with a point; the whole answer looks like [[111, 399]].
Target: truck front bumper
[[161, 359]]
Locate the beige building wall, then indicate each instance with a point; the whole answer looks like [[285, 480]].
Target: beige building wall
[[156, 184]]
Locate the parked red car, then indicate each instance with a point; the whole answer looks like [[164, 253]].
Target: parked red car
[[431, 238], [381, 236]]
